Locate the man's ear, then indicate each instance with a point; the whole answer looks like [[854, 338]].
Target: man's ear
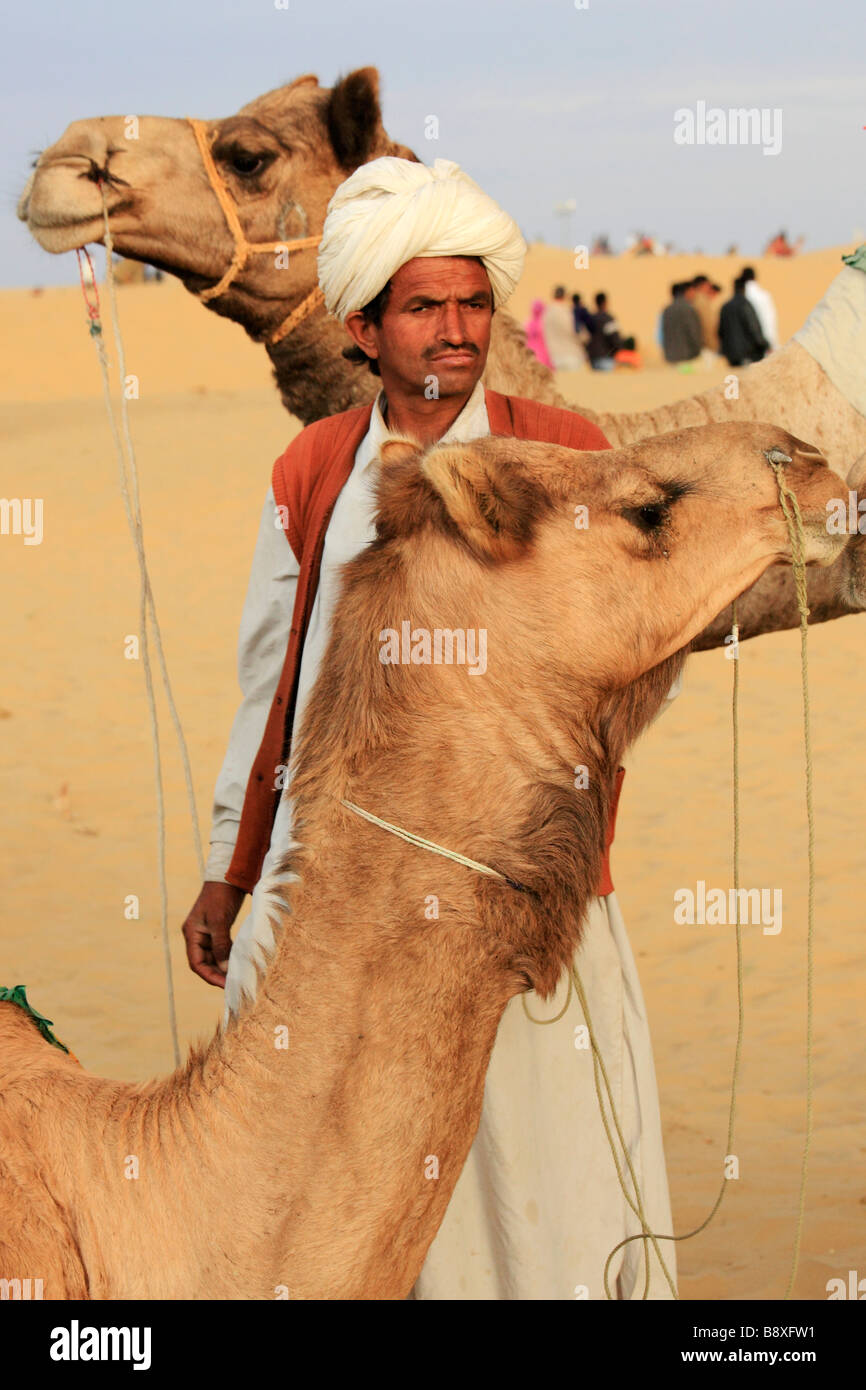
[[492, 502], [354, 117]]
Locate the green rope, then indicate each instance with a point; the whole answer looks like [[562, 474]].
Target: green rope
[[18, 995], [857, 259]]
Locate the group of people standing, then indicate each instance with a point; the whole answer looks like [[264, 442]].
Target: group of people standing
[[696, 324], [566, 335]]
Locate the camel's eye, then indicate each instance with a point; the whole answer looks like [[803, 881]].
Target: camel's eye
[[649, 518], [246, 162]]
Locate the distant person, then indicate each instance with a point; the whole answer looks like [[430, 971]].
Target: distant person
[[601, 246], [660, 321], [740, 336], [781, 246], [582, 317], [707, 303], [681, 326], [563, 344], [535, 339], [628, 355], [762, 302], [605, 341]]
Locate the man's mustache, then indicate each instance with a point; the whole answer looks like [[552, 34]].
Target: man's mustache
[[451, 347]]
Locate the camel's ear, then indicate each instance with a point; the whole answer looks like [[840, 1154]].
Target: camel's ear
[[478, 490], [399, 450], [355, 117], [308, 79], [492, 502]]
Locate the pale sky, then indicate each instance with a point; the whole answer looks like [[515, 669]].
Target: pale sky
[[540, 102]]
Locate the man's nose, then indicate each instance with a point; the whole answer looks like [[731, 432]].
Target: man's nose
[[451, 324]]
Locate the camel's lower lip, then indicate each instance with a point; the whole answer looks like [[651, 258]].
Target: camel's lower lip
[[35, 225]]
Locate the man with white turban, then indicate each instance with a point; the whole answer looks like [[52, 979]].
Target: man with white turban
[[415, 261], [391, 211]]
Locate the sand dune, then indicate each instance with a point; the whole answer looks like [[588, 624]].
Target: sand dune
[[78, 797]]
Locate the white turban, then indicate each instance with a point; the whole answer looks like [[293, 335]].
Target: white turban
[[392, 210]]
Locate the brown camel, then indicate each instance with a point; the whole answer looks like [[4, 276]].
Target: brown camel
[[362, 1057], [281, 158]]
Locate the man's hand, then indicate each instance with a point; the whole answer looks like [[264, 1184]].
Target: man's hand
[[207, 931]]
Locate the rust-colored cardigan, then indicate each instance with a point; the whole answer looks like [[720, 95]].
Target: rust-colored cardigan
[[307, 480]]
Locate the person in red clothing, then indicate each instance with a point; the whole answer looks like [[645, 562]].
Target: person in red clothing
[[414, 261]]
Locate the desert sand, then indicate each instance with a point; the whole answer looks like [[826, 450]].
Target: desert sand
[[78, 805]]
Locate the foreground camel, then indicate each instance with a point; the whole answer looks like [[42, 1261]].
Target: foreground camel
[[281, 158], [388, 1016]]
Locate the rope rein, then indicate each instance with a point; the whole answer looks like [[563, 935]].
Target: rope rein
[[795, 531], [129, 489], [130, 493], [243, 248]]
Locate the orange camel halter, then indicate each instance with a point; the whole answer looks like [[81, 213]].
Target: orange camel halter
[[243, 248]]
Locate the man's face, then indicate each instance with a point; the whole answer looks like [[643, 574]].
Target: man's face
[[436, 324]]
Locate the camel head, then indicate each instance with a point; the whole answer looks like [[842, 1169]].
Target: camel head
[[522, 613], [280, 159], [589, 569]]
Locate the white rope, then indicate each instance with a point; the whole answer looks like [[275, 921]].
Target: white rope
[[132, 506], [138, 537], [424, 844]]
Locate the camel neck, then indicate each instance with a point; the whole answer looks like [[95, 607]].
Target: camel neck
[[312, 375], [355, 1078], [353, 1084]]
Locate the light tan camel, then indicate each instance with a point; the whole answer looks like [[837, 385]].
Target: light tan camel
[[281, 158], [317, 1155]]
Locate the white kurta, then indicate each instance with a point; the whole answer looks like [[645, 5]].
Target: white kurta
[[563, 344], [538, 1206], [762, 302]]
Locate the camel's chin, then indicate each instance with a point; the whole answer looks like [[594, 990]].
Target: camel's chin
[[54, 205], [65, 237], [855, 575], [821, 547], [857, 475]]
